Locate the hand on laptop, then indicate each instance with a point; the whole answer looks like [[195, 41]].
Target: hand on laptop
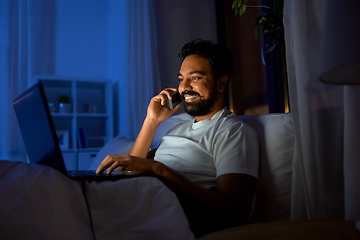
[[141, 166]]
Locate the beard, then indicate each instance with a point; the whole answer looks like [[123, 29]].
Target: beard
[[201, 107]]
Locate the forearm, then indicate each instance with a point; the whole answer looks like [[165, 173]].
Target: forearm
[[157, 113], [227, 205], [142, 144], [196, 199]]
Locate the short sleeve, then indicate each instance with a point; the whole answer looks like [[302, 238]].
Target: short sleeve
[[236, 149]]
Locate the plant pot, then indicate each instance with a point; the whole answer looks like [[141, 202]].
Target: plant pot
[[64, 107]]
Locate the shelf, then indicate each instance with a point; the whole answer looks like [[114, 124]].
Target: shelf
[[89, 112], [81, 115], [98, 115], [55, 114], [88, 149]]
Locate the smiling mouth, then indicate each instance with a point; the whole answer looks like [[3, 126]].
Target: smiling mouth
[[190, 98]]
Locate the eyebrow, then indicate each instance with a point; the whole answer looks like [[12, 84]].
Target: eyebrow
[[193, 72]]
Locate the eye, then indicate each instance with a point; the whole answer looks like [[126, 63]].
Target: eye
[[195, 78], [181, 79]]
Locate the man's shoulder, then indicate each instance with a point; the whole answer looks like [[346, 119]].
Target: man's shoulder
[[229, 123], [229, 119]]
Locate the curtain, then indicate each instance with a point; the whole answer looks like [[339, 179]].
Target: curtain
[[133, 62], [26, 49], [326, 166]]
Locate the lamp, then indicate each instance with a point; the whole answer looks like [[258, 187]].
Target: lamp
[[340, 61], [346, 75]]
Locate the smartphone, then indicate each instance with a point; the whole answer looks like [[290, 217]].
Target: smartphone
[[175, 100]]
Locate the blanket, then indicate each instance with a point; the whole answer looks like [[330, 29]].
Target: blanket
[[38, 202]]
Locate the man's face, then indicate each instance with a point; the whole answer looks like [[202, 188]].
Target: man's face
[[197, 86]]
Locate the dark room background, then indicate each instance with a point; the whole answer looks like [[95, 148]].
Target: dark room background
[[134, 44]]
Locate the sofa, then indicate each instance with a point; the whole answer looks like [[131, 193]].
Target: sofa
[[271, 210], [43, 203], [277, 140]]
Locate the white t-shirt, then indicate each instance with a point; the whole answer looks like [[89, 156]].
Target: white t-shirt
[[204, 150]]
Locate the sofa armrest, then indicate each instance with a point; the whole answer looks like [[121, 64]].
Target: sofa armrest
[[289, 230]]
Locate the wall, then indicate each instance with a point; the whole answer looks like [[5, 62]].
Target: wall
[[178, 22], [82, 38], [248, 86], [90, 40]]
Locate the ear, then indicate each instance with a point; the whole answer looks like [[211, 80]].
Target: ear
[[222, 82]]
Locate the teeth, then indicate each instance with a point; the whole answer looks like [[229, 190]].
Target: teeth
[[190, 97]]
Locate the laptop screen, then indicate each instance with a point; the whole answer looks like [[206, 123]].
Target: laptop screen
[[37, 128]]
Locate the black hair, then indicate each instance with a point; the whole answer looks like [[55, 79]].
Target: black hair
[[219, 57]]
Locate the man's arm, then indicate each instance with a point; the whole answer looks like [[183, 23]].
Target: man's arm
[[156, 114], [227, 205]]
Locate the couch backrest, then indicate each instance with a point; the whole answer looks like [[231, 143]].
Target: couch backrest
[[276, 138], [277, 141]]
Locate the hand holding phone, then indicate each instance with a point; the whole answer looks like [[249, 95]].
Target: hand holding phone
[[175, 100]]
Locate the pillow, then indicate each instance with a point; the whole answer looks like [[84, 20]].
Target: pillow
[[277, 141], [119, 145]]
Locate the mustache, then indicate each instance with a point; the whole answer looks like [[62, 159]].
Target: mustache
[[191, 93]]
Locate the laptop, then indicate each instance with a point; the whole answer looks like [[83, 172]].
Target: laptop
[[40, 139]]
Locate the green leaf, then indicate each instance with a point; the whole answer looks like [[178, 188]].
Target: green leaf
[[257, 34], [271, 48], [233, 4], [270, 23]]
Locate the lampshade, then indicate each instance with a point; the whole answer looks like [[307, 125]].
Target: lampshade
[[347, 75], [340, 55]]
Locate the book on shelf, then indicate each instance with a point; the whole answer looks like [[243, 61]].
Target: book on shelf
[[81, 138]]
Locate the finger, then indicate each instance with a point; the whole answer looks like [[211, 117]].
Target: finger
[[112, 167], [121, 168], [168, 91], [99, 169], [161, 98], [164, 100], [165, 93], [172, 89], [103, 165]]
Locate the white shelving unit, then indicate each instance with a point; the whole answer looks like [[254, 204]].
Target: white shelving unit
[[87, 124]]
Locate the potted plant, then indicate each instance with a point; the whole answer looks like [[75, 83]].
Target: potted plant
[[271, 21], [64, 103]]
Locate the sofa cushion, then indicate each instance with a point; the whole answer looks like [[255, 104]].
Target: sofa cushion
[[277, 140], [119, 145]]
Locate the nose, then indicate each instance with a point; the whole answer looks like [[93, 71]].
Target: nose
[[184, 85]]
